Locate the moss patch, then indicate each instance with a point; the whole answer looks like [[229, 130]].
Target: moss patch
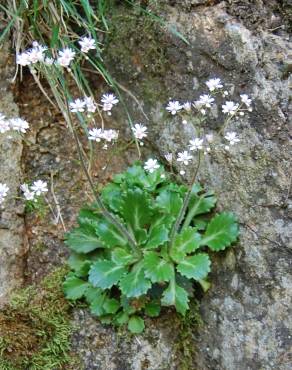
[[137, 47], [35, 328], [189, 325]]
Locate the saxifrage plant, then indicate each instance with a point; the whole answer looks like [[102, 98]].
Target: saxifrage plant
[[121, 281]]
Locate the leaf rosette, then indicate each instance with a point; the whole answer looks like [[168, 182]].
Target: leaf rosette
[[122, 282]]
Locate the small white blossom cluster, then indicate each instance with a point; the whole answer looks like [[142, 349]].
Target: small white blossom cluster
[[108, 101], [151, 165], [206, 101], [38, 188], [98, 134], [80, 105], [64, 58], [32, 55], [3, 192], [87, 43], [16, 124], [232, 139]]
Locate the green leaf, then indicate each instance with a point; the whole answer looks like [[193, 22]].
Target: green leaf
[[169, 201], [88, 216], [95, 297], [162, 219], [158, 235], [111, 305], [121, 318], [112, 196], [83, 239], [122, 257], [136, 175], [136, 209], [186, 242], [155, 178], [109, 235], [152, 309], [195, 267], [127, 306], [156, 268], [135, 284], [201, 204], [176, 296], [74, 288], [104, 274], [55, 35], [80, 263], [141, 236], [136, 325], [205, 285], [221, 231]]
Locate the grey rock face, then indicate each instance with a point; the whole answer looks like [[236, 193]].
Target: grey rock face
[[247, 313], [11, 222], [247, 322]]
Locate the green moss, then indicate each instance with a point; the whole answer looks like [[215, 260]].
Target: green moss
[[35, 327], [186, 349], [137, 47]]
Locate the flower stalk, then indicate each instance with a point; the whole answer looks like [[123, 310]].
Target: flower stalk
[[175, 227]]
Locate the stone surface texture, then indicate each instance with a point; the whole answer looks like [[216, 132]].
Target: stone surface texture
[[246, 314], [12, 236]]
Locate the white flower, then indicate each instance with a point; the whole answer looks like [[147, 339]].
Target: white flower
[[87, 43], [110, 135], [151, 165], [3, 192], [204, 101], [90, 104], [36, 53], [109, 99], [140, 131], [245, 100], [184, 122], [184, 157], [19, 124], [232, 138], [210, 138], [4, 124], [77, 105], [23, 59], [168, 157], [28, 194], [225, 93], [173, 107], [214, 83], [196, 144], [230, 107], [187, 106], [39, 187], [65, 57], [95, 134], [182, 172]]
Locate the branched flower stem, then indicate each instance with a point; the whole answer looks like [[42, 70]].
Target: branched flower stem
[[185, 204], [99, 202]]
